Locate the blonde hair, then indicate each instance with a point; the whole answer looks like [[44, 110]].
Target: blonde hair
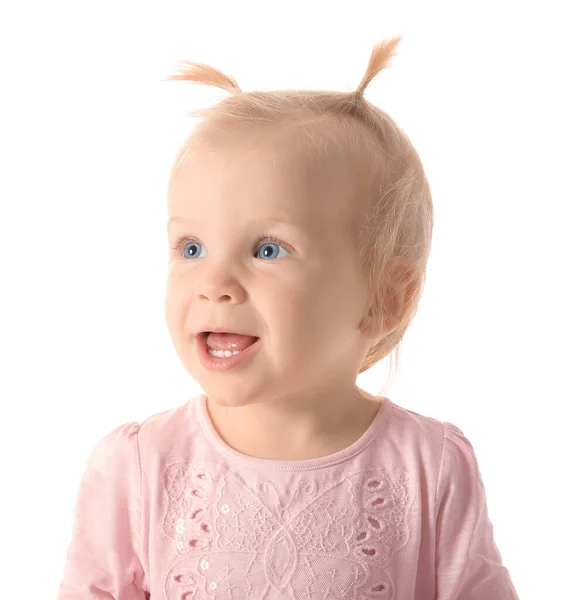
[[394, 233]]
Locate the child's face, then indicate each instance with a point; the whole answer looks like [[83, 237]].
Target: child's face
[[304, 299]]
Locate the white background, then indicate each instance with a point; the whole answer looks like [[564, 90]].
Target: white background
[[487, 93]]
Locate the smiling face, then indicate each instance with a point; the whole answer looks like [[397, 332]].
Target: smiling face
[[304, 296]]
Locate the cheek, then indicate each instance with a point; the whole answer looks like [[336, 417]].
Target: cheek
[[175, 306], [303, 309], [334, 299]]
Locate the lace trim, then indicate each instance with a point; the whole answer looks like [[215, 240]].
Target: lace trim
[[234, 540]]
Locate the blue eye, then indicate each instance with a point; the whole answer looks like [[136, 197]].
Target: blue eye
[[270, 244], [189, 251]]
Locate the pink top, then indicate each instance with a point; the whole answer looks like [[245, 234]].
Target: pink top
[[167, 510]]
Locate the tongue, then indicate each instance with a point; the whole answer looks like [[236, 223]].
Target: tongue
[[229, 341]]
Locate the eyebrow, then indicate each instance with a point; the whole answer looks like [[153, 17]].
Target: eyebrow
[[264, 220]]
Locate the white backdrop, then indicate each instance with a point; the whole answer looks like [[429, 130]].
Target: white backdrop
[[487, 93]]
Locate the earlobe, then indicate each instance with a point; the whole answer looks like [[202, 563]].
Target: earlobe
[[367, 329]]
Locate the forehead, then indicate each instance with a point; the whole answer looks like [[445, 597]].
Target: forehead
[[261, 178]]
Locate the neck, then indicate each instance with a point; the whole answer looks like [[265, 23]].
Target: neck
[[295, 429]]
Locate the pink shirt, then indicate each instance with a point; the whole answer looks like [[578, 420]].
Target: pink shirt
[[166, 510]]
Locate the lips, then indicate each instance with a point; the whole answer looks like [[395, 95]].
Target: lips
[[206, 330]]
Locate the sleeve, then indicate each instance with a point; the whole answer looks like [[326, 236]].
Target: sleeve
[[104, 558], [468, 562]]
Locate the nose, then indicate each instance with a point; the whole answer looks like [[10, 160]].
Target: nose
[[221, 291], [215, 298], [219, 281]]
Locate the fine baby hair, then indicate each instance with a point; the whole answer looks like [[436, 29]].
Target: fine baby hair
[[283, 479], [395, 219]]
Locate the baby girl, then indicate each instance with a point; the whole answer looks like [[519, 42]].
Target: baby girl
[[299, 226]]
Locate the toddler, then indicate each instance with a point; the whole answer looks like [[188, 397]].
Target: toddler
[[299, 227]]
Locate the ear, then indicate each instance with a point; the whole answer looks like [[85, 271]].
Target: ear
[[403, 282]]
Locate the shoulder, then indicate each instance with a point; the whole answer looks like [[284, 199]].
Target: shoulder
[[441, 444], [415, 428], [440, 447], [154, 430], [171, 424], [458, 465], [425, 428]]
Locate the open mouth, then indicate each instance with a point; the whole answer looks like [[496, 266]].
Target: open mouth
[[205, 334], [215, 360]]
